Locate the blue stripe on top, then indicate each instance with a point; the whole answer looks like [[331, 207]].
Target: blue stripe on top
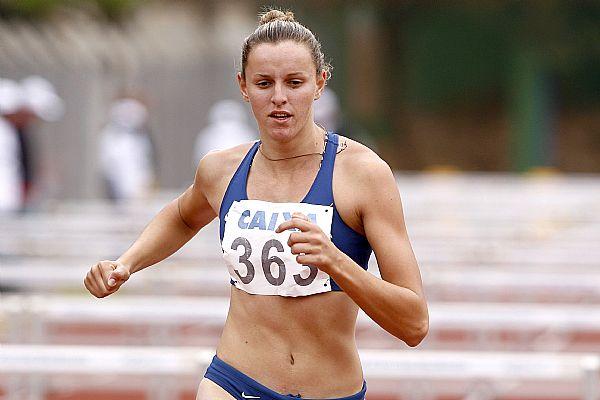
[[352, 243]]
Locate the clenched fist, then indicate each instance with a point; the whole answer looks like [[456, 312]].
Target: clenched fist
[[311, 246], [106, 277]]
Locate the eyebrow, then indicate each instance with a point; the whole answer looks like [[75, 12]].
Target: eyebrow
[[290, 74]]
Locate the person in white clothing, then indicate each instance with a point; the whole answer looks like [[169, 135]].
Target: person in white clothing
[[10, 187], [126, 152], [11, 96], [227, 127], [21, 105], [327, 111]]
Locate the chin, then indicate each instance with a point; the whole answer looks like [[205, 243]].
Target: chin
[[281, 134]]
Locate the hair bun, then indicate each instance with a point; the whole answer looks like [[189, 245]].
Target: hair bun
[[276, 15]]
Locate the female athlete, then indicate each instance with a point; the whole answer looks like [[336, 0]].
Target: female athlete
[[300, 212]]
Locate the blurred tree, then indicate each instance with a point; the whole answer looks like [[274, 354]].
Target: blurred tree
[[550, 42], [117, 10], [112, 10], [529, 54], [454, 56], [27, 9]]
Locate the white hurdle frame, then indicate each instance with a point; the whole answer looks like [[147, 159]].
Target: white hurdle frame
[[37, 361]]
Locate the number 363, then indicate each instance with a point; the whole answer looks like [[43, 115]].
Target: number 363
[[266, 262]]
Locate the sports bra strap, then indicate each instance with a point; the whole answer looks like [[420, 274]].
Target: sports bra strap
[[321, 191], [236, 190], [330, 153]]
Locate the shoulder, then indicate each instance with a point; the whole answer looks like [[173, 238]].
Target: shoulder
[[218, 166], [361, 163], [361, 181]]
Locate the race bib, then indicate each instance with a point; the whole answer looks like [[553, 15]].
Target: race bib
[[259, 260]]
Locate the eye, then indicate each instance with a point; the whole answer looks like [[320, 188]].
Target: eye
[[295, 82], [263, 84]]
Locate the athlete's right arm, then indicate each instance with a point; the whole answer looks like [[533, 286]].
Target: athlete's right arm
[[168, 231]]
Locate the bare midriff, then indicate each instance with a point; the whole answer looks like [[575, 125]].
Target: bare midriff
[[294, 345]]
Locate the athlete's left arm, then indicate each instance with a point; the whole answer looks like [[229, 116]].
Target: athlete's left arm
[[396, 302]]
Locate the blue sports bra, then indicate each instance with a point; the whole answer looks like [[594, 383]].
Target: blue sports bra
[[352, 243]]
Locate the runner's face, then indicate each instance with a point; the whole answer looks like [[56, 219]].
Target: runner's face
[[281, 85]]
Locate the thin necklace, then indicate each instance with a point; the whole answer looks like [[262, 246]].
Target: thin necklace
[[292, 157]]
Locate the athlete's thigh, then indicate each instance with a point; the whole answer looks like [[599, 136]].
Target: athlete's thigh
[[208, 390]]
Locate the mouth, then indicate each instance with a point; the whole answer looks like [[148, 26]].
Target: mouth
[[280, 116]]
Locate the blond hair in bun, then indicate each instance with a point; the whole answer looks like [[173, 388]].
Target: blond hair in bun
[[277, 26], [276, 15]]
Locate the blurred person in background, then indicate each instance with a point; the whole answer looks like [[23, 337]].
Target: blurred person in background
[[327, 111], [227, 127], [11, 193], [297, 267], [22, 104], [127, 157], [41, 103]]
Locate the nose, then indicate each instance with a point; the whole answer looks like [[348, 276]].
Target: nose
[[279, 96]]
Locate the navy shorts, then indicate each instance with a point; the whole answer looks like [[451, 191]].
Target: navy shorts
[[242, 387]]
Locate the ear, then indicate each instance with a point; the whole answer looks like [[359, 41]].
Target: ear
[[321, 82], [243, 87]]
